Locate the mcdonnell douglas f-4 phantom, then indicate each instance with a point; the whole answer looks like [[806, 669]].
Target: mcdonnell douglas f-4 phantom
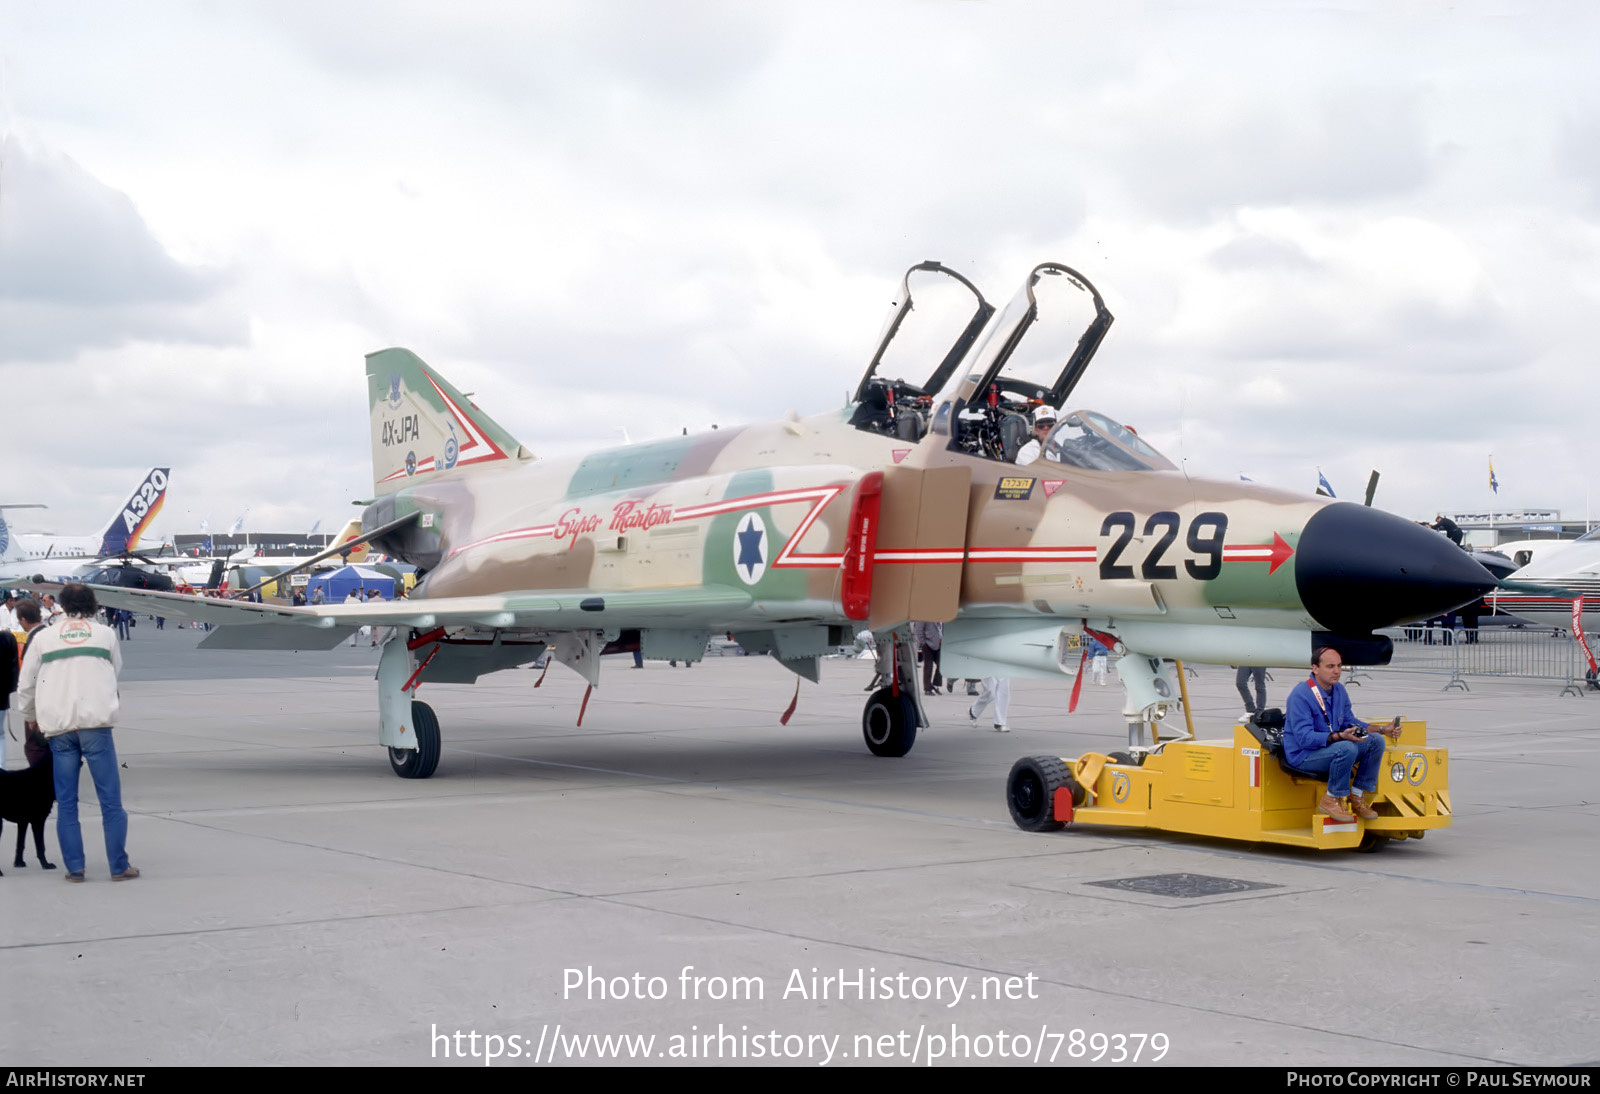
[[906, 505]]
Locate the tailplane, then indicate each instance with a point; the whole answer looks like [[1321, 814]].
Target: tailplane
[[357, 554], [422, 425], [134, 515]]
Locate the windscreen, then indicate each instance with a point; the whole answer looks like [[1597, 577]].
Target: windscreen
[[1095, 442]]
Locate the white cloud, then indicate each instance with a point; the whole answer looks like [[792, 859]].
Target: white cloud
[[1342, 236]]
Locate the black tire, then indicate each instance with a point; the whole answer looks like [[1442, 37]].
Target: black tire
[[1372, 843], [1127, 759], [1031, 792], [889, 723], [419, 762]]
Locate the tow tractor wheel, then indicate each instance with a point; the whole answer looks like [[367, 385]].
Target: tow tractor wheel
[[419, 762], [889, 723], [1371, 842], [1031, 792]]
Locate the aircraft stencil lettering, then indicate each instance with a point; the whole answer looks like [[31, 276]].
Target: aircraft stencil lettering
[[403, 430], [792, 535]]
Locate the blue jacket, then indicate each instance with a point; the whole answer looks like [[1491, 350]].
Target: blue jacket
[[1306, 728]]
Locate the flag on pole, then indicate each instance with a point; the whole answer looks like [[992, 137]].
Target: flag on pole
[[1322, 485], [1494, 483]]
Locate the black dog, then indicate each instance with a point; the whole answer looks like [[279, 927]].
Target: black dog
[[27, 797]]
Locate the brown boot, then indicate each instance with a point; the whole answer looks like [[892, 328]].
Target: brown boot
[[1361, 808], [1330, 805]]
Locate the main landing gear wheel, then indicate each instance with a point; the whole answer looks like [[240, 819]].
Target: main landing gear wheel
[[1127, 759], [1031, 792], [889, 723], [419, 762]]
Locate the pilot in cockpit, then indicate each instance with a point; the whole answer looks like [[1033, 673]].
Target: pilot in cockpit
[[1044, 420]]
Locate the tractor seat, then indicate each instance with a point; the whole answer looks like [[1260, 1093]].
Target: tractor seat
[[1271, 738]]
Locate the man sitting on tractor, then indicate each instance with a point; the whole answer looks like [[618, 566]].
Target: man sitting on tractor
[[1322, 735]]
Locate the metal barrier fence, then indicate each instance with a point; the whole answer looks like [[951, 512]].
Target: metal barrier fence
[[1532, 653]]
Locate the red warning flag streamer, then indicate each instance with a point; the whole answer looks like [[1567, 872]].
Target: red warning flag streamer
[[545, 673], [1077, 685], [792, 704], [585, 705], [1577, 632]]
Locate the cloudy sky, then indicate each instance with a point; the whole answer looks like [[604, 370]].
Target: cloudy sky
[[1343, 235]]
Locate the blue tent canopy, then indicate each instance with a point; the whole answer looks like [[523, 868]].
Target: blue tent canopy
[[338, 584]]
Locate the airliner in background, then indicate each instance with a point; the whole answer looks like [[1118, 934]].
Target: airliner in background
[[27, 554]]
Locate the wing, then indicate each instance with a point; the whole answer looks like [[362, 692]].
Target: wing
[[246, 625]]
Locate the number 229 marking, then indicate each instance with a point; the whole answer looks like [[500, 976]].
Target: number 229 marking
[[1206, 533]]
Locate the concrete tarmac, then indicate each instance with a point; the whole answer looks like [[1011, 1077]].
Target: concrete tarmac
[[300, 904]]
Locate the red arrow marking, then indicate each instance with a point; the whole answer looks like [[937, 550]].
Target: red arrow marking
[[1277, 553]]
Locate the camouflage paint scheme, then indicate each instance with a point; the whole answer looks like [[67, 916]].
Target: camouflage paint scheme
[[667, 516], [750, 531]]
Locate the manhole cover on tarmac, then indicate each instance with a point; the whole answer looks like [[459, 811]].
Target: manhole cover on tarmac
[[1184, 885]]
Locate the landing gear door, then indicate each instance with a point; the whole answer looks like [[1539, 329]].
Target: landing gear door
[[917, 354], [922, 535]]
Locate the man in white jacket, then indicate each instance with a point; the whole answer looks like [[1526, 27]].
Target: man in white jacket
[[68, 687]]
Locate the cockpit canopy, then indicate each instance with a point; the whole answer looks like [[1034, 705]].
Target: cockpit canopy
[[915, 357], [976, 377], [1090, 440]]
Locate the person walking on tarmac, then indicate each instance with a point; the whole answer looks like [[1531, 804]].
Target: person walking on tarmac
[[929, 637], [68, 688]]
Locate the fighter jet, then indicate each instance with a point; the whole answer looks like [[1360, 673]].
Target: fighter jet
[[905, 505]]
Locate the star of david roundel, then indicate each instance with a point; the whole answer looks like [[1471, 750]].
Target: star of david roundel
[[750, 549]]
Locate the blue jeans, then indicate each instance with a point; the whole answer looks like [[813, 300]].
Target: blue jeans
[[93, 747], [1337, 759], [1242, 680]]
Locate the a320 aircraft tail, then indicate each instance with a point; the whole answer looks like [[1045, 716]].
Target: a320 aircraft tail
[[133, 516], [422, 425]]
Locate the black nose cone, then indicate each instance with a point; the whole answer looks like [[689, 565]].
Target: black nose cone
[[1358, 569]]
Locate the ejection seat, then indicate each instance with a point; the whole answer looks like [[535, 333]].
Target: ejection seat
[[1014, 433]]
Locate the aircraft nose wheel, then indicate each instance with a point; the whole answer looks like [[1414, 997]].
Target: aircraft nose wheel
[[419, 762], [889, 723]]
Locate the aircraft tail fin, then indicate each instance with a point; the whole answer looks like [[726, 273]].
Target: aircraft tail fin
[[134, 515], [422, 425]]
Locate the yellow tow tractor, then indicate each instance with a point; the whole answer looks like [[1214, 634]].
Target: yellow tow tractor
[[1238, 789]]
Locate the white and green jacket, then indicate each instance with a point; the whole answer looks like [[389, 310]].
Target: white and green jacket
[[69, 677]]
